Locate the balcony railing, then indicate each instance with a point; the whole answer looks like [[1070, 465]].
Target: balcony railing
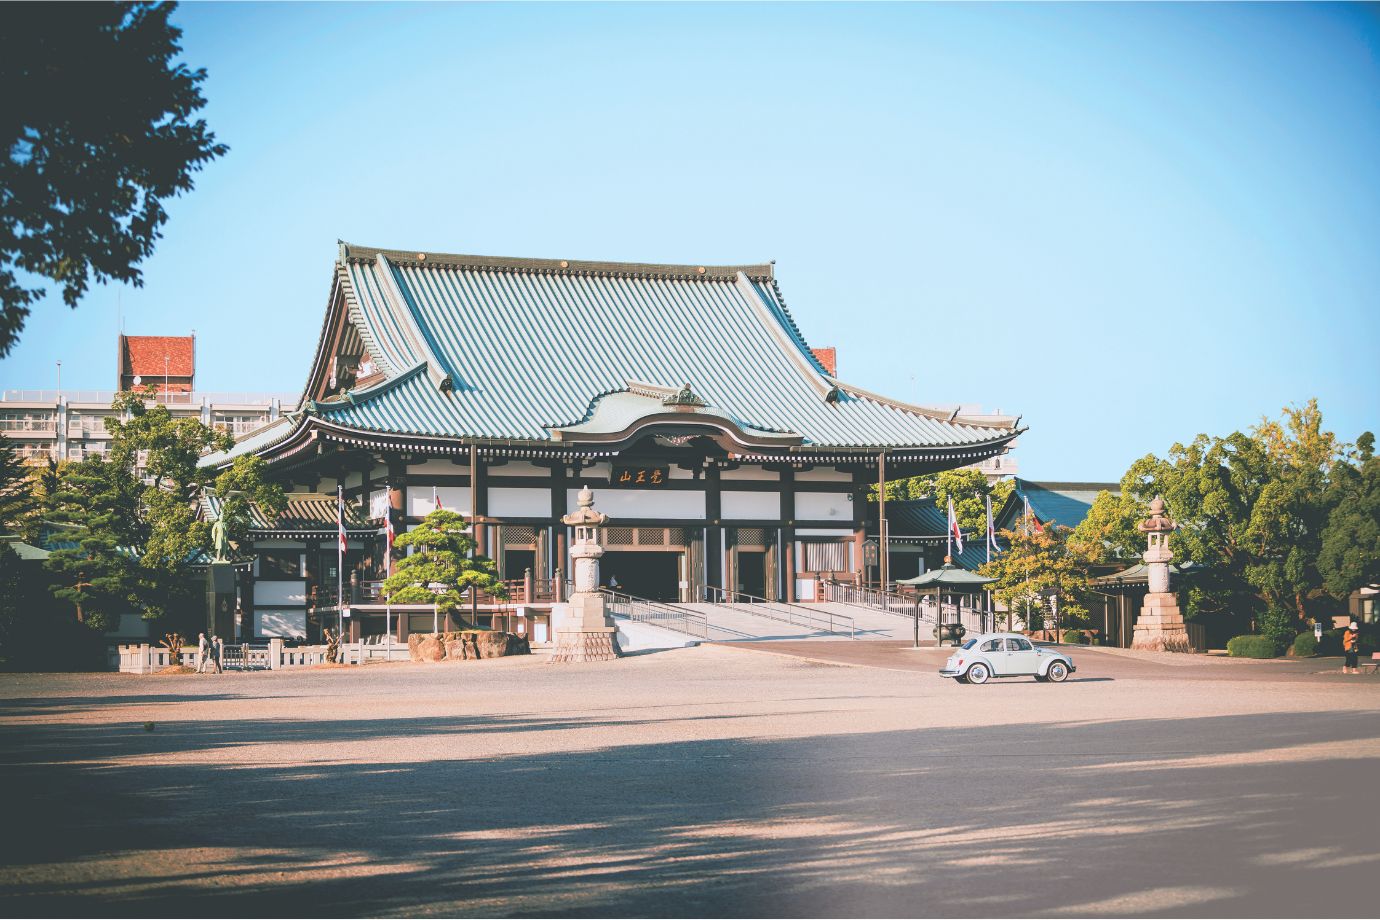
[[36, 425], [106, 397], [528, 590]]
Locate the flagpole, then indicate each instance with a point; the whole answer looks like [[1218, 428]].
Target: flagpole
[[340, 563]]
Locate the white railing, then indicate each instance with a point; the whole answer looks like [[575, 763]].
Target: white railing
[[106, 397], [143, 658]]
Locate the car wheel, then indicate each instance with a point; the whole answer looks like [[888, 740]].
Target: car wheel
[[978, 674], [1057, 672]]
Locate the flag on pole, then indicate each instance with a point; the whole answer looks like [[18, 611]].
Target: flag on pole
[[436, 498], [388, 534], [992, 546], [1032, 522], [955, 535], [340, 516]]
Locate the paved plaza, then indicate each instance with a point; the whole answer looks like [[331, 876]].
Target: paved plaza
[[710, 781]]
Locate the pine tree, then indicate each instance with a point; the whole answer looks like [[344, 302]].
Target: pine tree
[[441, 569]]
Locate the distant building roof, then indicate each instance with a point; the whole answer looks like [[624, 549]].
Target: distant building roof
[[1064, 503], [142, 356], [25, 551]]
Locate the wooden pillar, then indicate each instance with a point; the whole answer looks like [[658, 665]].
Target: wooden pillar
[[787, 567], [859, 525], [479, 501], [713, 538], [397, 498], [559, 563]]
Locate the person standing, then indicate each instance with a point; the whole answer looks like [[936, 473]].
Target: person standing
[[202, 653], [1351, 646]]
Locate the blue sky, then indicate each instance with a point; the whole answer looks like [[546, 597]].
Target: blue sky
[[1129, 223]]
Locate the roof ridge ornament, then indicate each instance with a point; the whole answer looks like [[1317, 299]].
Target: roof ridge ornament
[[684, 398]]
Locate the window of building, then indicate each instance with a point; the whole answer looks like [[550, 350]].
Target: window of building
[[27, 420], [280, 563]]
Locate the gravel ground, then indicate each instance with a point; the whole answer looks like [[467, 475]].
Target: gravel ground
[[711, 781]]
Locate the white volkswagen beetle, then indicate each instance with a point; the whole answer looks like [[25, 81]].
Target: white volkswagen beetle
[[991, 655]]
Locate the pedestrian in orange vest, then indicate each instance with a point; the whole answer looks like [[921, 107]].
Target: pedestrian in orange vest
[[1351, 642]]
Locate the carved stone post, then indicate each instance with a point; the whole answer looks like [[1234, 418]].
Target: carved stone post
[[585, 631], [1160, 626]]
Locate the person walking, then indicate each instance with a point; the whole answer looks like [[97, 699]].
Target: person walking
[[202, 653], [1351, 646], [217, 644]]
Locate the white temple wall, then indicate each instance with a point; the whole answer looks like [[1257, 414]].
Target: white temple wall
[[749, 506], [644, 503], [453, 498], [519, 503], [820, 506]]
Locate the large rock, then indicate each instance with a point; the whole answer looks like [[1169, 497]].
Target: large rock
[[429, 647], [498, 645]]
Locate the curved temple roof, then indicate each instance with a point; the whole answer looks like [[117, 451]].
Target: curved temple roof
[[473, 347]]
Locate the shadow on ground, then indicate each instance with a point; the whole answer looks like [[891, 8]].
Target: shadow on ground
[[1142, 817]]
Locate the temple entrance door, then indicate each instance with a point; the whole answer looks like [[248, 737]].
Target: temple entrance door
[[516, 562], [752, 572], [653, 575]]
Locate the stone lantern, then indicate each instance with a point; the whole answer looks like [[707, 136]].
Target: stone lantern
[[1160, 626], [584, 630]]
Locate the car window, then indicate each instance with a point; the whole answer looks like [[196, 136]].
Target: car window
[[969, 644], [991, 645], [1018, 645]]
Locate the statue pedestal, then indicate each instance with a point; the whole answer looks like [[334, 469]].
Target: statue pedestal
[[584, 631], [220, 600], [1160, 626]]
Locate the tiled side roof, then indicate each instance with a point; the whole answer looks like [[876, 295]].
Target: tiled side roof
[[1064, 503], [515, 348], [312, 512], [143, 355]]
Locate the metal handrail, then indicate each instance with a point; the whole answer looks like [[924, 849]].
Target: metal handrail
[[780, 610], [893, 602], [644, 610]]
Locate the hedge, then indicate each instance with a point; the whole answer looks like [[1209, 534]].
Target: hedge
[[1305, 645], [1075, 637], [1252, 647]]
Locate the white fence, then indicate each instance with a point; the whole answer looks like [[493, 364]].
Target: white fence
[[148, 659]]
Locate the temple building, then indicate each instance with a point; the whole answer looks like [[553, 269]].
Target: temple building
[[724, 450]]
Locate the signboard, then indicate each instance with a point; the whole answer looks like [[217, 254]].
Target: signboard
[[639, 476]]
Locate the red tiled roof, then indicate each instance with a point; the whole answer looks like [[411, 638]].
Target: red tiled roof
[[143, 355], [829, 357]]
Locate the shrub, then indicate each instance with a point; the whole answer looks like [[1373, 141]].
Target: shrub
[[1074, 637], [1252, 647], [1279, 625], [1305, 646]]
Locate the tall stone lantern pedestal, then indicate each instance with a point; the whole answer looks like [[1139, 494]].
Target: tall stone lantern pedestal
[[1160, 626], [585, 631]]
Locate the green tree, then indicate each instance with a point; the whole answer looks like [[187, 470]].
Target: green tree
[[99, 130], [1037, 562], [968, 488], [1108, 532], [19, 502], [242, 483], [440, 569], [96, 512], [1251, 507], [132, 515], [1350, 556]]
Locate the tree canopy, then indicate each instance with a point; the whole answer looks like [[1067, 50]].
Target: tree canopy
[[968, 488], [99, 130], [128, 522], [440, 569], [1350, 556], [1037, 562]]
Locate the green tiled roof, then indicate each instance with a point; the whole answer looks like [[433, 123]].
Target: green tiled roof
[[516, 348], [536, 351]]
